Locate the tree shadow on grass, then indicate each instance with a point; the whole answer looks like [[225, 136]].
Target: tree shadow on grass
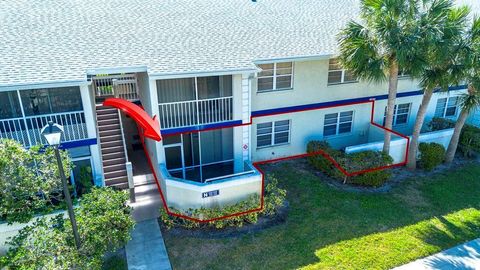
[[324, 219]]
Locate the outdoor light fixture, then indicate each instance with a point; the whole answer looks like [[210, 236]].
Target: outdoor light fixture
[[52, 133]]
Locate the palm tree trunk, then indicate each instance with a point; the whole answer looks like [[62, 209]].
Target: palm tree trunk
[[452, 147], [392, 95], [422, 111]]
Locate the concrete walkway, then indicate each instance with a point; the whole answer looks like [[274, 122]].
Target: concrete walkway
[[147, 249], [462, 257]]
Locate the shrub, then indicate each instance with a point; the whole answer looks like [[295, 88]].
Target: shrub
[[440, 124], [351, 163], [273, 200], [431, 155], [104, 224], [29, 180], [469, 143]]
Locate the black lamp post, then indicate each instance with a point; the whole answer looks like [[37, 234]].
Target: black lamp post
[[53, 133]]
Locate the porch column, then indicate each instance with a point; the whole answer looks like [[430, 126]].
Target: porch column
[[241, 111], [88, 103]]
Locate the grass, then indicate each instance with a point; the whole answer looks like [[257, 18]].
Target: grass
[[329, 228]]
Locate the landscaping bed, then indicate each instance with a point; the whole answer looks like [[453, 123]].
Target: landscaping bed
[[329, 228]]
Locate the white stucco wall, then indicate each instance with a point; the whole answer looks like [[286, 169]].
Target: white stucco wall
[[184, 195], [398, 146], [309, 87]]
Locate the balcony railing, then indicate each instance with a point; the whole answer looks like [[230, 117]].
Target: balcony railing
[[27, 130], [122, 86], [195, 112]]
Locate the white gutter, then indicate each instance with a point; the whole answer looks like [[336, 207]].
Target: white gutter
[[116, 70], [177, 75], [294, 58], [40, 85]]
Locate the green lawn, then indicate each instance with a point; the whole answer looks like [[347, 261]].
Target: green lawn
[[332, 229]]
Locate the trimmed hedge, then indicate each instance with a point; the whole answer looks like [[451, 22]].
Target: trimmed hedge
[[431, 155], [469, 143], [351, 163], [273, 200]]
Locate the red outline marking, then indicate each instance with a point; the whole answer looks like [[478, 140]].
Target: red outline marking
[[256, 164]]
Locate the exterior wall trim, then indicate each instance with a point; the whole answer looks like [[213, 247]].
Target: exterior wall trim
[[79, 143], [339, 102]]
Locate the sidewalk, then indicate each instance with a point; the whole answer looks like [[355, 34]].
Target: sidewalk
[[147, 249], [466, 256]]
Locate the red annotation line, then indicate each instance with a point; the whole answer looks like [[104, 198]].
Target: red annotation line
[[257, 164]]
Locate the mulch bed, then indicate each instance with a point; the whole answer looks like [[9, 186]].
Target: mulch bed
[[264, 222], [399, 174]]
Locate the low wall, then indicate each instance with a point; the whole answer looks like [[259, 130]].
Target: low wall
[[184, 194], [398, 146]]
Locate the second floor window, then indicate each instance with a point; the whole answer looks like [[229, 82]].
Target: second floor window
[[273, 133], [275, 76], [337, 75], [338, 123], [446, 107], [400, 114]]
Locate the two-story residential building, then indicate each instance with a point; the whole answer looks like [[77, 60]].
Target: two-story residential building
[[232, 82]]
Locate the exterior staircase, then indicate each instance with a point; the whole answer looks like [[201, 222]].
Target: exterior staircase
[[112, 147]]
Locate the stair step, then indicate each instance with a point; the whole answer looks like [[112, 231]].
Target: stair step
[[107, 116], [115, 174], [114, 161], [114, 167], [108, 127], [116, 180], [115, 155], [109, 121], [110, 132], [106, 111], [111, 143], [113, 149], [109, 138]]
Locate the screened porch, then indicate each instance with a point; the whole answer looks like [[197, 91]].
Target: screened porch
[[204, 156], [195, 101], [23, 113]]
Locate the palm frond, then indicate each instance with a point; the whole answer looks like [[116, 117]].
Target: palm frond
[[360, 53]]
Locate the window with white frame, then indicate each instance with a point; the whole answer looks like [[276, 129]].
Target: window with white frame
[[275, 76], [337, 74], [446, 107], [338, 123], [273, 133], [400, 114]]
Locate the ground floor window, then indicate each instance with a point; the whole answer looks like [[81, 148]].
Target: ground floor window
[[273, 133], [338, 123], [81, 175], [446, 107], [400, 114]]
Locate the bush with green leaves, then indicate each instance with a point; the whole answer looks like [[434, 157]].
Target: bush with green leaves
[[29, 180], [351, 163], [431, 155], [274, 198], [438, 123], [469, 143], [104, 224]]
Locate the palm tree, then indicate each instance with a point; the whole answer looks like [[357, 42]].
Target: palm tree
[[445, 68], [471, 100], [392, 36]]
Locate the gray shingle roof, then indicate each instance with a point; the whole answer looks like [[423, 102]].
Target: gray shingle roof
[[59, 40]]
